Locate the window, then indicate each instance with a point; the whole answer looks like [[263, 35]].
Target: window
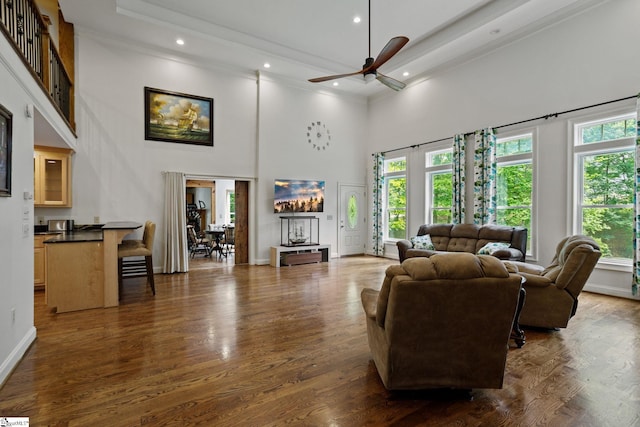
[[395, 178], [231, 207], [605, 171], [514, 182], [439, 191]]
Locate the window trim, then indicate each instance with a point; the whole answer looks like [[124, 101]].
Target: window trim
[[227, 202], [578, 151], [429, 208], [532, 253], [387, 176], [429, 170]]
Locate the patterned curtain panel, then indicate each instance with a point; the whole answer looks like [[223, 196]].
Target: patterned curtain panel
[[378, 204], [636, 224], [484, 177], [457, 178]]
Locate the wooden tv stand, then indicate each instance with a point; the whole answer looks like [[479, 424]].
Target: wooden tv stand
[[295, 255]]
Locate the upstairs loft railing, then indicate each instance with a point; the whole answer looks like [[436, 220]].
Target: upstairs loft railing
[[27, 31]]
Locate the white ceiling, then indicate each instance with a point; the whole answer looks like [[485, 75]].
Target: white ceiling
[[302, 39]]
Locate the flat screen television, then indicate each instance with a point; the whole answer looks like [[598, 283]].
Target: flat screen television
[[298, 195]]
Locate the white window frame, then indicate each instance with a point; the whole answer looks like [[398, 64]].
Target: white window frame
[[429, 172], [387, 177], [580, 151], [515, 159], [228, 212]]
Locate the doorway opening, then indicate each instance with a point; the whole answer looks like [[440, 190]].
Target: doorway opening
[[218, 210]]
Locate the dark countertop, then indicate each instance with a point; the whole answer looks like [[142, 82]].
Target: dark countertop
[[116, 225], [75, 236], [88, 233]]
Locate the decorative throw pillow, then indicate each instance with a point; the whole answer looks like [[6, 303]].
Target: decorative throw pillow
[[422, 242], [492, 247]]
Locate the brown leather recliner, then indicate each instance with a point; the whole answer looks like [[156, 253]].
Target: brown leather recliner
[[442, 322], [552, 292]]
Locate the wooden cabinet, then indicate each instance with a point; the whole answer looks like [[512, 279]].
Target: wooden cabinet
[[39, 262], [294, 255], [76, 276], [52, 177]]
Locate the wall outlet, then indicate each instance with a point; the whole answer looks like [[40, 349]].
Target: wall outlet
[[41, 220], [96, 220], [13, 315]]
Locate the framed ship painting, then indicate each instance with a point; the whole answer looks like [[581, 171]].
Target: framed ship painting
[[177, 117], [5, 151]]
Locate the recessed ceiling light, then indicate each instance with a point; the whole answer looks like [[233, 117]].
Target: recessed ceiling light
[[336, 83], [180, 42], [267, 65], [406, 73], [356, 20]]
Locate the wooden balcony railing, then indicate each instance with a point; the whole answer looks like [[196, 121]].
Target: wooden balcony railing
[[27, 31]]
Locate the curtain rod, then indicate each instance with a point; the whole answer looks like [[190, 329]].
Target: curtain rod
[[546, 117]]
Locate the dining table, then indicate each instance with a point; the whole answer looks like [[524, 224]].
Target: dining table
[[217, 234]]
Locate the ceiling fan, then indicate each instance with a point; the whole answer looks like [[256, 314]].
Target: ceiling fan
[[370, 67]]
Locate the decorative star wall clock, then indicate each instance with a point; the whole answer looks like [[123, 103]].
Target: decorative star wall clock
[[318, 136]]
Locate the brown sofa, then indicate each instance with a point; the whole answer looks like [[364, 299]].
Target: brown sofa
[[468, 238], [552, 292], [442, 322]]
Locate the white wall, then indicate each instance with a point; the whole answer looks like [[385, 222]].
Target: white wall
[[117, 174], [285, 153], [581, 61], [19, 92]]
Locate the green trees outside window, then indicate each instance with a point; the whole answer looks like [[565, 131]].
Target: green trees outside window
[[514, 182], [606, 170], [442, 195], [514, 189], [607, 202], [396, 185]]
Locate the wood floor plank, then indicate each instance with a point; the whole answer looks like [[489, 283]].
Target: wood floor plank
[[257, 346]]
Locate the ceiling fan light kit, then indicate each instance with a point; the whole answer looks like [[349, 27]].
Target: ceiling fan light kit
[[371, 65]]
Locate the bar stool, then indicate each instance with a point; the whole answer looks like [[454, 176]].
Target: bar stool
[[137, 248]]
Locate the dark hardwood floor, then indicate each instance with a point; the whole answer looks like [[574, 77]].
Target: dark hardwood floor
[[259, 346]]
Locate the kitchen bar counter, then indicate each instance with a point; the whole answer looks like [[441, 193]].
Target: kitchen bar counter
[[74, 236], [82, 267]]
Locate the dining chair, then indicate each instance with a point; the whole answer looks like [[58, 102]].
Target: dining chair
[[198, 244], [229, 238], [129, 254]]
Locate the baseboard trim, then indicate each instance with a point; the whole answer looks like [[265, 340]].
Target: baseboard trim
[[610, 290], [10, 363]]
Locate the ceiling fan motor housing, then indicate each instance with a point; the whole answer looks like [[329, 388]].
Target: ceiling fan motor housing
[[370, 74]]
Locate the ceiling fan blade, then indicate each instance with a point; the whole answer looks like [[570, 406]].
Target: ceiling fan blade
[[393, 46], [390, 82], [337, 76]]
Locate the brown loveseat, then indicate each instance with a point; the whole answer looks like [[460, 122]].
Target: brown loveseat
[[468, 238], [442, 322]]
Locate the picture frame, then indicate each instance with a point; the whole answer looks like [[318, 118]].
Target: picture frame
[[6, 121], [177, 117]]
